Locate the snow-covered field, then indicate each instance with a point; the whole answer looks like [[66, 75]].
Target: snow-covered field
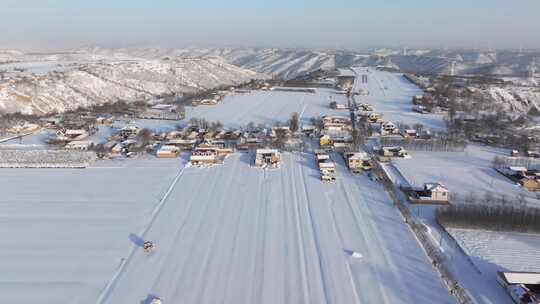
[[500, 251], [37, 67], [64, 231], [391, 95], [228, 234], [237, 234], [268, 107], [493, 251], [461, 172]]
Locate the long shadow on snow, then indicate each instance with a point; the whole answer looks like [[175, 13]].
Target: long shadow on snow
[[137, 240]]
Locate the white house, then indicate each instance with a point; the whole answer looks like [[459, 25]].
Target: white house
[[436, 192]]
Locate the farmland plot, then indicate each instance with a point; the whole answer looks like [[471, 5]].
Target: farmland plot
[[237, 234], [268, 107], [65, 231]]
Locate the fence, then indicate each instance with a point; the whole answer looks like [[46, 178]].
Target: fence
[[438, 259], [42, 158]]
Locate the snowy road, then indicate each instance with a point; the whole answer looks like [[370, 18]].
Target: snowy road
[[391, 95], [236, 234]]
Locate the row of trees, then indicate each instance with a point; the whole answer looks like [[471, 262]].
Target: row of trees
[[490, 217], [499, 162], [444, 144], [205, 124]]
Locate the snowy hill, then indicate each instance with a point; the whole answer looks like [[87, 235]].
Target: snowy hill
[[289, 63], [41, 84]]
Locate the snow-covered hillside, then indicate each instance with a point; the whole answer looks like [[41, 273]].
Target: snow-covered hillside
[[515, 99], [41, 84], [289, 63]]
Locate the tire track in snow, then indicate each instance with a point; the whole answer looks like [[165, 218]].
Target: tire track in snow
[[208, 250], [224, 297], [299, 239], [237, 202], [357, 222], [258, 271], [180, 263], [361, 211], [340, 238], [112, 283], [176, 236], [318, 251]]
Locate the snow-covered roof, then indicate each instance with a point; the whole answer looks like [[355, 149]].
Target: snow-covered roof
[[437, 187], [517, 169], [327, 165], [530, 278], [267, 151], [359, 156], [75, 131], [168, 148]]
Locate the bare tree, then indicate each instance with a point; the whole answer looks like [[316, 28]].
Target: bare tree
[[317, 122], [281, 138], [357, 139], [144, 136], [294, 122], [250, 127], [488, 197], [521, 199]]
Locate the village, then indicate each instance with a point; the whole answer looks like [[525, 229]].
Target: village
[[344, 138]]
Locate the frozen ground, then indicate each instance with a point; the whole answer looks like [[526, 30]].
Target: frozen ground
[[500, 251], [391, 94], [479, 284], [35, 139], [461, 172], [64, 231], [37, 67], [280, 237], [268, 107], [495, 251], [156, 125]]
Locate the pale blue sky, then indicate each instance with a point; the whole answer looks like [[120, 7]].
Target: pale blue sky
[[45, 24]]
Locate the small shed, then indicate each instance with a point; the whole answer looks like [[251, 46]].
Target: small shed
[[168, 152], [267, 158], [436, 192]]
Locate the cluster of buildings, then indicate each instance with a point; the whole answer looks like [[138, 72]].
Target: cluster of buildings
[[525, 177], [357, 162], [336, 133], [267, 158], [209, 155], [125, 142], [23, 128], [213, 99], [430, 193], [163, 111], [327, 166], [367, 112], [334, 105], [386, 153]]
